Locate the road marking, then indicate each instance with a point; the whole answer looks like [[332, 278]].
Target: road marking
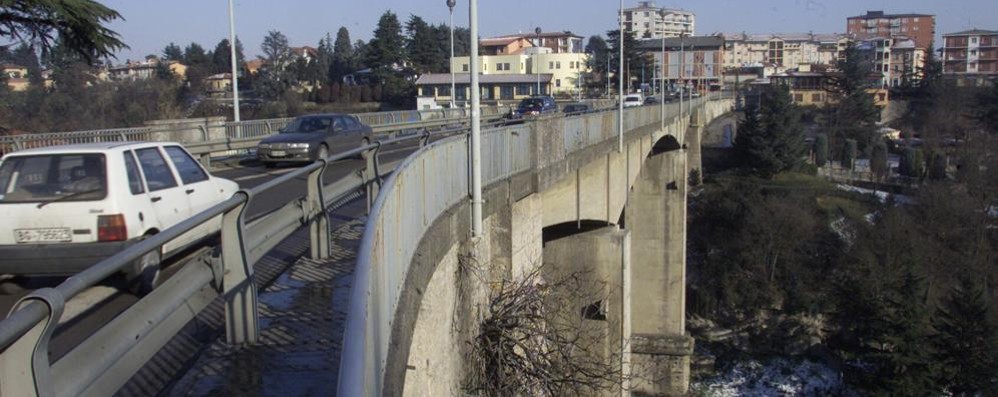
[[263, 175]]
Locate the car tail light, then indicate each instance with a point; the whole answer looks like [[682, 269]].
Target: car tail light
[[111, 228]]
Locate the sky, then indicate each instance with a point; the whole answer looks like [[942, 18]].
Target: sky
[[149, 25]]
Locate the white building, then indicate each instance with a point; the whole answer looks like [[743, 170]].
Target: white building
[[565, 69], [646, 21], [782, 50]]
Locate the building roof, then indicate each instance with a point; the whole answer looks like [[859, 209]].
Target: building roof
[[465, 78], [220, 76], [499, 41], [763, 37], [688, 42], [880, 14], [972, 32]]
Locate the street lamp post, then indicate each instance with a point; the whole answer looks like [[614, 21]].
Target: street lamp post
[[453, 88], [682, 70], [620, 88], [661, 84], [476, 127], [537, 53], [235, 67]]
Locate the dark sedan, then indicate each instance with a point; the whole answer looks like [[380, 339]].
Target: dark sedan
[[308, 138]]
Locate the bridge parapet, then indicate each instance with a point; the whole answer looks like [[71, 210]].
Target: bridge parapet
[[432, 181]]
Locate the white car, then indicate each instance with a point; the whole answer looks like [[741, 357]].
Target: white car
[[633, 100], [65, 208]]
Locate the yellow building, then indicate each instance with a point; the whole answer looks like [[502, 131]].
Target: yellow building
[[16, 76], [565, 69], [499, 89]]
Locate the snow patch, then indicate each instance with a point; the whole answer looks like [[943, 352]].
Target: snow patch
[[774, 377]]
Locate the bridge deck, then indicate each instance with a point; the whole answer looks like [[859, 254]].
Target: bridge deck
[[302, 314]]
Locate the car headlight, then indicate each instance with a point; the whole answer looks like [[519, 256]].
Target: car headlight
[[264, 146], [298, 145]]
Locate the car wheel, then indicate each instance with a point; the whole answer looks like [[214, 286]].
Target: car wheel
[[322, 153], [147, 273]]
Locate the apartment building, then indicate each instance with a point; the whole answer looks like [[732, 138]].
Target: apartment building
[[565, 69], [876, 24], [897, 60], [782, 50], [694, 62], [512, 44], [971, 55], [646, 21]]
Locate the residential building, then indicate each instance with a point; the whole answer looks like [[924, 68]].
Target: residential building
[[566, 68], [144, 70], [876, 24], [812, 87], [971, 55], [218, 85], [897, 60], [15, 76], [695, 62], [646, 21], [782, 50], [307, 53], [512, 44], [495, 88], [505, 45]]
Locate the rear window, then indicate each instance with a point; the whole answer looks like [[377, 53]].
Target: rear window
[[50, 177], [532, 103]]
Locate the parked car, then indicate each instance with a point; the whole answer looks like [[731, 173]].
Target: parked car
[[651, 100], [534, 106], [575, 108], [65, 208], [632, 100], [309, 138]]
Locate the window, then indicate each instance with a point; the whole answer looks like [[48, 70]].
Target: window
[[158, 175], [189, 169], [798, 98], [551, 65], [523, 89], [571, 65], [443, 90], [557, 82], [557, 65], [134, 180], [815, 97], [65, 177], [464, 67], [506, 92]]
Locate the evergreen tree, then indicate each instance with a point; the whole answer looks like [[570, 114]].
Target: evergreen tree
[[820, 150], [386, 49], [324, 59], [423, 47], [195, 55], [344, 58], [849, 153], [599, 55], [279, 72], [221, 57], [76, 25], [25, 56], [172, 52], [854, 116], [985, 109], [907, 365], [632, 58], [771, 138], [967, 342], [878, 162]]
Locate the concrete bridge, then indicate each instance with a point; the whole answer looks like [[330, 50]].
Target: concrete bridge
[[559, 193]]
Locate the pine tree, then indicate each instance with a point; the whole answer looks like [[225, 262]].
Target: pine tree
[[820, 150], [632, 58], [386, 49], [195, 55], [967, 342], [878, 162], [422, 46], [172, 52], [854, 116], [771, 139], [221, 58], [907, 363], [985, 109], [344, 59]]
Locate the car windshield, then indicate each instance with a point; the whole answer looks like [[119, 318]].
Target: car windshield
[[632, 99], [43, 178], [309, 125]]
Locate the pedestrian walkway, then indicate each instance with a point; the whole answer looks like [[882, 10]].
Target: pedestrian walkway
[[302, 315]]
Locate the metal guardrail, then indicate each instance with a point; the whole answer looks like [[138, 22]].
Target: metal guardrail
[[412, 199], [196, 132], [106, 359]]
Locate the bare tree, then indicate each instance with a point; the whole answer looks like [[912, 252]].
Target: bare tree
[[543, 337]]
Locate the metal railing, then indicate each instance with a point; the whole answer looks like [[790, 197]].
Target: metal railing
[[106, 359], [216, 134], [416, 195]]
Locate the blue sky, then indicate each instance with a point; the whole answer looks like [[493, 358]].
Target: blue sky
[[150, 25]]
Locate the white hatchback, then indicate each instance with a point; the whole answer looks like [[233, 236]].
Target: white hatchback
[[64, 208]]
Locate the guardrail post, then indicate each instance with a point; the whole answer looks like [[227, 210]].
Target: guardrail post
[[238, 288], [270, 129], [318, 220], [18, 145], [371, 174], [24, 366], [424, 139]]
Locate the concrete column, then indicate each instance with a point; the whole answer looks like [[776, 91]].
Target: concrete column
[[694, 138], [598, 260], [656, 218]]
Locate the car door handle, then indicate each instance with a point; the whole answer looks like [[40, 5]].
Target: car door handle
[[189, 191], [155, 199]]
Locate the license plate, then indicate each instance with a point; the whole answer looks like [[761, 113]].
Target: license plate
[[278, 153], [51, 235]]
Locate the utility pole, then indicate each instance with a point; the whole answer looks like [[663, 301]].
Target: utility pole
[[536, 56], [476, 128], [620, 90], [235, 67], [453, 88], [662, 84]]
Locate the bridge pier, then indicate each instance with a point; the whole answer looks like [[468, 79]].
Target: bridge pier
[[656, 217], [693, 142]]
